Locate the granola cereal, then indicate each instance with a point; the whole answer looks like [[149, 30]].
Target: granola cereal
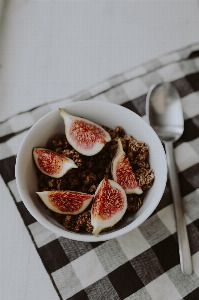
[[91, 170], [134, 202]]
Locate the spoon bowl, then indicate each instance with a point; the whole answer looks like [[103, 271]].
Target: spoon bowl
[[164, 110]]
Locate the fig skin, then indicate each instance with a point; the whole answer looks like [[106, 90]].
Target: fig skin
[[66, 202], [57, 164], [109, 205], [131, 185], [84, 136]]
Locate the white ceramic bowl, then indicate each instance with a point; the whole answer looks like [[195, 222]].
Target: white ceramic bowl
[[102, 113]]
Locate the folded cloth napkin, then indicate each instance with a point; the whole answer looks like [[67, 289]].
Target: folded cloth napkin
[[143, 264]]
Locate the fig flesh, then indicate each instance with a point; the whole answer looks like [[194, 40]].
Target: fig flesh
[[52, 163], [84, 136], [65, 202], [109, 205], [122, 172]]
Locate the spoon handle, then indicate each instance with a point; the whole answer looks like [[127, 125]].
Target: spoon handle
[[184, 249]]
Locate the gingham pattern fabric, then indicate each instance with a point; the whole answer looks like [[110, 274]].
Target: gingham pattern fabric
[[143, 264]]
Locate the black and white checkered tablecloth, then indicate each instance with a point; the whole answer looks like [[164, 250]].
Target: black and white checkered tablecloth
[[143, 264]]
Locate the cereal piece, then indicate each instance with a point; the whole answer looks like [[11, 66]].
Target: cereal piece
[[88, 178], [143, 153], [134, 146], [58, 150], [145, 178], [113, 149], [92, 177], [138, 154], [66, 152], [112, 133], [59, 218], [76, 157], [128, 137], [119, 131], [51, 182], [141, 164], [56, 142], [92, 188], [102, 156], [71, 179], [69, 222], [84, 220], [76, 222], [89, 227], [85, 189], [134, 203], [58, 184], [92, 163], [107, 170]]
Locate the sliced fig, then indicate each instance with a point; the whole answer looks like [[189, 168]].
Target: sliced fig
[[109, 206], [122, 172], [84, 136], [52, 163], [65, 202]]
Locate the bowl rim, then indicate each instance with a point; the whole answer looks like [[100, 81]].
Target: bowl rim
[[109, 235]]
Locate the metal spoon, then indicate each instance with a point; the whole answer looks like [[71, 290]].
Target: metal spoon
[[164, 110]]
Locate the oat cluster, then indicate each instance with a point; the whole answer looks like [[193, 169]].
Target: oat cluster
[[92, 169]]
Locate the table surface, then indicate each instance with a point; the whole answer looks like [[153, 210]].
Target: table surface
[[52, 50]]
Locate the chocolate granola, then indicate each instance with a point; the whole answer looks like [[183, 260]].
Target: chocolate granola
[[92, 169]]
